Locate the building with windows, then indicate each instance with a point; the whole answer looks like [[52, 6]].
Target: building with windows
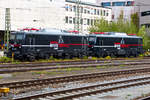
[[58, 14], [89, 13], [119, 6], [143, 8]]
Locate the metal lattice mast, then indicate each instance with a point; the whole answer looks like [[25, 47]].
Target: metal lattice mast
[[7, 27], [78, 17]]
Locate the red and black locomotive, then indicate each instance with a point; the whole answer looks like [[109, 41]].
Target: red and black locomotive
[[45, 43], [36, 44], [115, 44]]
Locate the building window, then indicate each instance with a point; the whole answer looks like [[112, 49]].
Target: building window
[[98, 12], [118, 4], [66, 19], [74, 20], [107, 14], [67, 7], [104, 13], [81, 9], [95, 11], [85, 21], [130, 3], [74, 8], [92, 11], [70, 8], [70, 20], [104, 4], [88, 11], [88, 21], [91, 21], [81, 21], [101, 12], [85, 11], [146, 13]]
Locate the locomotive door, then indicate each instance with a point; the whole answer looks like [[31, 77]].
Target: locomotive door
[[84, 42], [31, 40]]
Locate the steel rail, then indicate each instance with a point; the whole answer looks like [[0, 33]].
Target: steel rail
[[84, 91], [63, 63], [56, 80], [3, 71]]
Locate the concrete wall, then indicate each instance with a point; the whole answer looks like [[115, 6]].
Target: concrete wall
[[41, 14], [34, 13]]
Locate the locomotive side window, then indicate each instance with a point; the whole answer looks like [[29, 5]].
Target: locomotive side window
[[19, 36], [12, 36], [92, 40]]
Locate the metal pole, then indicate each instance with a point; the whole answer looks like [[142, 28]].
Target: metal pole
[[7, 27], [78, 17]]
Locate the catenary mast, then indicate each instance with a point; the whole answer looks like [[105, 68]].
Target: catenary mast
[[78, 16], [7, 27]]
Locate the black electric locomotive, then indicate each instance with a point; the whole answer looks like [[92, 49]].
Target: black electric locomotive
[[44, 43], [103, 44]]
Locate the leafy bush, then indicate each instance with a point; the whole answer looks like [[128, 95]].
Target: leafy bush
[[130, 27], [5, 59], [108, 58]]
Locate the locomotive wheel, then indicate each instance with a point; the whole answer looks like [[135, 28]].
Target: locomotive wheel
[[31, 58], [112, 55], [47, 56]]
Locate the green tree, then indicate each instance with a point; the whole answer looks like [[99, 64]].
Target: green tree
[[135, 19], [146, 39], [122, 26]]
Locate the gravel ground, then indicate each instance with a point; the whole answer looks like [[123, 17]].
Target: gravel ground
[[121, 94]]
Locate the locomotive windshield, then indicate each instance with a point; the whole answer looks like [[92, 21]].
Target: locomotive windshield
[[16, 36], [12, 37]]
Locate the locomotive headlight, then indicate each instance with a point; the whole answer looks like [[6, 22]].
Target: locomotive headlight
[[12, 45]]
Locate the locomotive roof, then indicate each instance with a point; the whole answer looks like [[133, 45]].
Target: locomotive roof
[[50, 32], [114, 34]]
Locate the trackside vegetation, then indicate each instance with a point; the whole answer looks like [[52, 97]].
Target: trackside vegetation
[[129, 27]]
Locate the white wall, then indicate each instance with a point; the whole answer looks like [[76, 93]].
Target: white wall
[[34, 13]]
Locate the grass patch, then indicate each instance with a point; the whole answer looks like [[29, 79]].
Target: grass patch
[[1, 77], [5, 59]]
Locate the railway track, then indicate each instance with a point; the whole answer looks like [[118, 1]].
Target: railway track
[[24, 69], [68, 63], [57, 80], [68, 94]]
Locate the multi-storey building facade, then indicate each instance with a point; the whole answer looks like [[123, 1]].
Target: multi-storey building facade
[[119, 6], [57, 14], [89, 13], [33, 13], [142, 7]]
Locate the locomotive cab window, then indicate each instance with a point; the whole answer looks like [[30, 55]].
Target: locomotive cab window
[[12, 37], [91, 40]]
